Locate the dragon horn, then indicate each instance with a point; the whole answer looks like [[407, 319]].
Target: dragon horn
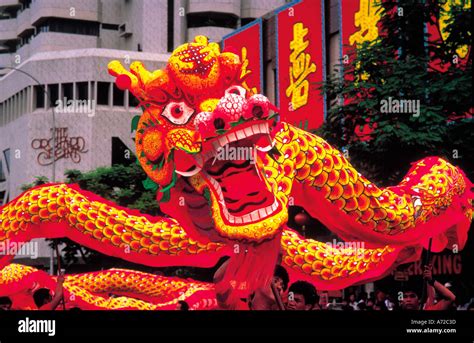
[[124, 79]]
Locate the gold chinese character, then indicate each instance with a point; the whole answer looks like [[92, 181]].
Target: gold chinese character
[[245, 72], [300, 68], [370, 12]]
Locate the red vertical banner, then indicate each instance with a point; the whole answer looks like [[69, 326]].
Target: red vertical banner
[[360, 22], [247, 43], [301, 62]]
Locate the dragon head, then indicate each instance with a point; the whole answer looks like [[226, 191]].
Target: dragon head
[[199, 135]]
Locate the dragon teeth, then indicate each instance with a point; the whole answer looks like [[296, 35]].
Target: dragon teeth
[[248, 131], [241, 134], [258, 214]]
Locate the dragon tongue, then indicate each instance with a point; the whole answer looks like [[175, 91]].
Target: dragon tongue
[[241, 184]]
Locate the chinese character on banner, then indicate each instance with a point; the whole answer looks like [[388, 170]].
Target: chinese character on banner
[[247, 43], [366, 21], [360, 22], [300, 68], [300, 63]]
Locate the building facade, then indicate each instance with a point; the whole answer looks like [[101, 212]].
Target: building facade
[[58, 50], [54, 50]]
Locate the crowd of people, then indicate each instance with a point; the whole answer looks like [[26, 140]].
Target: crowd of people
[[302, 296]]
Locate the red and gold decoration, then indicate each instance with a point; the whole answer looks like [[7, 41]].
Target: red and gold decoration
[[113, 289], [248, 45], [225, 172], [300, 56]]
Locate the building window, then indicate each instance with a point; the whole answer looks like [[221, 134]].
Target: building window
[[132, 101], [2, 177], [121, 154], [39, 96], [170, 25], [203, 19], [25, 4], [6, 153], [9, 12], [80, 27], [118, 96], [67, 91], [114, 27], [53, 92], [103, 93], [82, 91], [245, 21]]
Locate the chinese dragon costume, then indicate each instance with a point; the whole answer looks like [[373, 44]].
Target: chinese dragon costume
[[232, 205]]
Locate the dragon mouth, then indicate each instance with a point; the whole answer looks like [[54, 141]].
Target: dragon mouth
[[233, 176]]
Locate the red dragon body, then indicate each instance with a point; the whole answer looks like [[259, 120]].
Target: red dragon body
[[227, 173]]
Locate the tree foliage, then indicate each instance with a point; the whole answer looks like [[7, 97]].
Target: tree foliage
[[401, 64]]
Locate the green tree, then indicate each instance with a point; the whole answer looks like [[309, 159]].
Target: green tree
[[399, 65]]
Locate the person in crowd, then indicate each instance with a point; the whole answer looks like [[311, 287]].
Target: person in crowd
[[351, 301], [447, 298], [5, 303], [380, 298], [345, 305], [182, 306], [317, 306], [390, 303], [411, 299], [324, 300], [370, 304], [362, 301], [301, 296], [264, 299], [43, 299]]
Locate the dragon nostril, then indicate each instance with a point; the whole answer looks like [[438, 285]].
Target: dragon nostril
[[257, 111], [219, 123]]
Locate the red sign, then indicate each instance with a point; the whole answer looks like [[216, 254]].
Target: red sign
[[247, 43], [360, 23], [301, 63]]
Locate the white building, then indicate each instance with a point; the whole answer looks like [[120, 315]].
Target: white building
[[60, 49], [65, 45]]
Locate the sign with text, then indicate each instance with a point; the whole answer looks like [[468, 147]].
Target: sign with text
[[247, 43], [360, 22], [64, 147], [300, 63]]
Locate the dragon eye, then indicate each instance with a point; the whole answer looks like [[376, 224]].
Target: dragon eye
[[177, 112], [236, 90]]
